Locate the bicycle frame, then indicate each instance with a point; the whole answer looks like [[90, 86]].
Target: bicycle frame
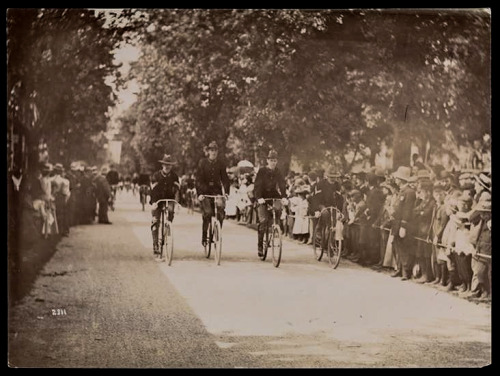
[[214, 229], [334, 249], [273, 234], [164, 222]]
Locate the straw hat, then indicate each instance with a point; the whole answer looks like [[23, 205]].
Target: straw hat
[[404, 173]]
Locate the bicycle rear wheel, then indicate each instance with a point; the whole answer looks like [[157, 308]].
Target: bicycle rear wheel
[[265, 245], [334, 250], [276, 245], [169, 242], [217, 242], [317, 241], [208, 245]]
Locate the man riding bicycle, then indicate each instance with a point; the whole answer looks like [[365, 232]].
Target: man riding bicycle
[[143, 182], [113, 179], [269, 183], [211, 179], [328, 195], [165, 185]]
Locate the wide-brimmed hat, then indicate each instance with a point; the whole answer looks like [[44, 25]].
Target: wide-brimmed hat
[[484, 180], [58, 167], [303, 188], [426, 185], [167, 160], [404, 173], [212, 146], [47, 167], [355, 193], [273, 154], [333, 173], [483, 205], [423, 175]]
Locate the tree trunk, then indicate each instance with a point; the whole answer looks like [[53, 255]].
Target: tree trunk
[[401, 145]]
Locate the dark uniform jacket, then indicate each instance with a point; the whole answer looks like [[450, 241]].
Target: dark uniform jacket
[[269, 184], [166, 186], [483, 240], [327, 196], [112, 177], [103, 191], [403, 211], [211, 177], [143, 179], [422, 218], [375, 200]]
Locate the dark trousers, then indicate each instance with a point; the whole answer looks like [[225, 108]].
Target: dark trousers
[[103, 211], [423, 255], [156, 218], [322, 226], [265, 218], [207, 210], [464, 268], [403, 248], [62, 215]]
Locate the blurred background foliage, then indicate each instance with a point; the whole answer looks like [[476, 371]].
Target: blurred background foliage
[[320, 86]]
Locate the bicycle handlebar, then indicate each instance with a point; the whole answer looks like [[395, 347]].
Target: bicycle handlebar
[[214, 196], [166, 200], [342, 216]]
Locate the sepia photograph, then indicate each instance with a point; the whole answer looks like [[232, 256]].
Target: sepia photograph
[[249, 188]]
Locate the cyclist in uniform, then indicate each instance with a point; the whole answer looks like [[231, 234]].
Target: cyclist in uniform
[[211, 179], [191, 189], [165, 185], [269, 183]]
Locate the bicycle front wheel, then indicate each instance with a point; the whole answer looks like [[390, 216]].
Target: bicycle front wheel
[[169, 243], [161, 241], [217, 242], [276, 245], [334, 250], [265, 245]]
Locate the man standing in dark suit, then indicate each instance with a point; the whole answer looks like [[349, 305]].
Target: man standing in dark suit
[[370, 236], [103, 193], [403, 213], [211, 179]]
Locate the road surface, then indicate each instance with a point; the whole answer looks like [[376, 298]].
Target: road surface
[[103, 302]]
